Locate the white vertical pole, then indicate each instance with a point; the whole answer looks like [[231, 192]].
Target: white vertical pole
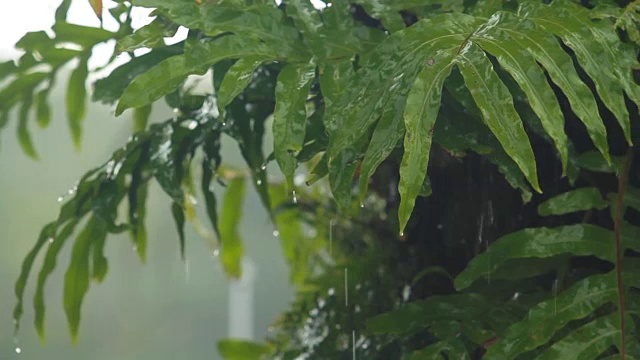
[[241, 309]]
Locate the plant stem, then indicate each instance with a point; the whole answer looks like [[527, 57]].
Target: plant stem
[[623, 177]]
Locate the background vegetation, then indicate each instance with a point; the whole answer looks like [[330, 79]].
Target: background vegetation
[[471, 190]]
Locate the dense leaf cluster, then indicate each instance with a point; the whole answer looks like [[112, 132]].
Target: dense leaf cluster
[[378, 99]]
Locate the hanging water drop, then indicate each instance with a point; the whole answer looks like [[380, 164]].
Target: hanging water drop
[[18, 350], [361, 205], [263, 167], [406, 293], [276, 233], [60, 199], [50, 240], [258, 182], [216, 253]]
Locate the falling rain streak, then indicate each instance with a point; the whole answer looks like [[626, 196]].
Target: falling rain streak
[[346, 287], [353, 343]]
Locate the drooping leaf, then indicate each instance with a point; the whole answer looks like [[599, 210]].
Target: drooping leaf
[[149, 36], [423, 104], [580, 240], [141, 117], [48, 266], [85, 36], [548, 317], [606, 67], [178, 217], [110, 89], [77, 276], [581, 199], [24, 137], [488, 91], [237, 78], [232, 248], [43, 110], [76, 99], [290, 115]]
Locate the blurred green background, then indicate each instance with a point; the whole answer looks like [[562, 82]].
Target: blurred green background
[[164, 309]]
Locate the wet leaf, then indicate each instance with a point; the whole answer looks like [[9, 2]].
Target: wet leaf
[[43, 110], [76, 278], [503, 120], [423, 104], [178, 217], [232, 248], [141, 117], [24, 137], [582, 199], [453, 348], [579, 240], [85, 36], [290, 116], [237, 78], [149, 36], [76, 99], [109, 89], [547, 317], [603, 57]]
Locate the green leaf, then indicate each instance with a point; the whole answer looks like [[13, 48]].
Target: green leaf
[[156, 82], [307, 20], [290, 115], [422, 314], [547, 317], [496, 103], [546, 50], [110, 89], [210, 164], [43, 110], [178, 217], [47, 233], [76, 279], [582, 199], [85, 36], [48, 266], [598, 50], [579, 240], [141, 117], [453, 348], [149, 36], [18, 88], [586, 342], [593, 161], [423, 104], [164, 163], [100, 262], [232, 349], [232, 248], [518, 61], [137, 198], [76, 99], [24, 137], [290, 234], [237, 78]]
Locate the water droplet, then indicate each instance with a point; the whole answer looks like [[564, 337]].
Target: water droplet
[[259, 182], [298, 180], [216, 253], [515, 296], [361, 205], [18, 350], [60, 199], [50, 240], [439, 226], [321, 303], [314, 312], [263, 167], [135, 248], [331, 292], [401, 233], [357, 309], [295, 197], [276, 233]]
